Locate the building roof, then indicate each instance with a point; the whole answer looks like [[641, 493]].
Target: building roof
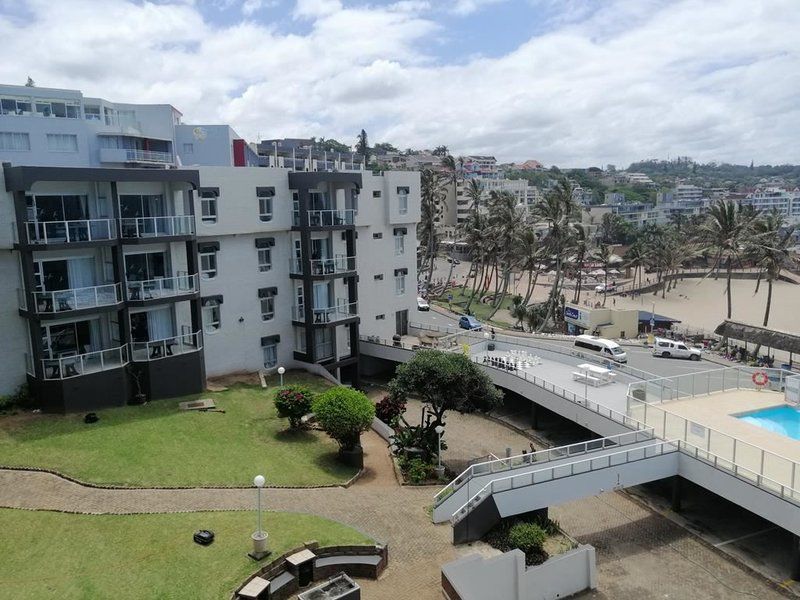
[[644, 316], [773, 338]]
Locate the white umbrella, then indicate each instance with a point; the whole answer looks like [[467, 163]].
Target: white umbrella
[[613, 272]]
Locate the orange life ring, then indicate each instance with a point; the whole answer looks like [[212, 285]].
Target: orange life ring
[[760, 378]]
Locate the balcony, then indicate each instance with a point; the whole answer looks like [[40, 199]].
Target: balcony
[[63, 301], [70, 365], [161, 287], [122, 155], [327, 217], [70, 232], [325, 266], [149, 227], [322, 316], [160, 349]]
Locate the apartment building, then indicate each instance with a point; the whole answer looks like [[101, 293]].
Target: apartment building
[[767, 199], [144, 277]]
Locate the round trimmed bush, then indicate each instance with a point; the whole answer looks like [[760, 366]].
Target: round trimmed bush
[[343, 413], [528, 537], [293, 402]]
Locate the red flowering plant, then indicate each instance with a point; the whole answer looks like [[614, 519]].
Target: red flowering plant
[[293, 402]]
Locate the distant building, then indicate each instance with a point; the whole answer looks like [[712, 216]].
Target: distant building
[[683, 192], [530, 165], [786, 202], [615, 198]]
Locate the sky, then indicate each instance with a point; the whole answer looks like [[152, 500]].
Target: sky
[[566, 82]]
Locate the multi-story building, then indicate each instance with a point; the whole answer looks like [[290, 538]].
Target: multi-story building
[[767, 199], [134, 279], [686, 192]]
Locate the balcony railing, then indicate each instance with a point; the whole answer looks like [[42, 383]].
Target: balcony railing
[[325, 266], [343, 310], [159, 349], [148, 156], [331, 218], [142, 227], [75, 365], [60, 301], [161, 287], [70, 232]]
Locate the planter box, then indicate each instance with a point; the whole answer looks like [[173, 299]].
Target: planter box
[[340, 587]]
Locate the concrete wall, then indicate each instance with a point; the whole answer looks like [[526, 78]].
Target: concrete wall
[[505, 576]]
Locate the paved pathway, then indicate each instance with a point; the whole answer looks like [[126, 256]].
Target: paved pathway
[[640, 554]]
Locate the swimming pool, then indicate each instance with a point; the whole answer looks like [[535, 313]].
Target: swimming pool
[[780, 419]]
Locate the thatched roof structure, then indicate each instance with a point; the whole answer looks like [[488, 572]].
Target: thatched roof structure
[[780, 340]]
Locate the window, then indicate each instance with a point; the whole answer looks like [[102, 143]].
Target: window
[[400, 284], [208, 261], [18, 142], [376, 194], [62, 142], [268, 308], [399, 244], [378, 277], [270, 350], [264, 259], [13, 105], [265, 196], [208, 206], [211, 315], [402, 200], [91, 113], [377, 236], [380, 317], [188, 148]]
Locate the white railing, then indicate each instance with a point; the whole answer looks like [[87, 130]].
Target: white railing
[[70, 232], [74, 299], [161, 287], [66, 366], [560, 471], [148, 156], [330, 314], [164, 348], [331, 217], [525, 461], [325, 266], [140, 227]]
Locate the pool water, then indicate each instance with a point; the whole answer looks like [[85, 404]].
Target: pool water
[[784, 420]]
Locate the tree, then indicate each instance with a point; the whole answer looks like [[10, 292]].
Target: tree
[[605, 256], [293, 402], [362, 146], [770, 248], [440, 151], [344, 413], [332, 145], [726, 229], [445, 381], [385, 147], [432, 201]]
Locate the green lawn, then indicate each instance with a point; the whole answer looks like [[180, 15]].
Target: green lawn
[[481, 311], [159, 445], [56, 555]]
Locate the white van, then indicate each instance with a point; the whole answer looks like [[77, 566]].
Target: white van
[[672, 349], [603, 347]]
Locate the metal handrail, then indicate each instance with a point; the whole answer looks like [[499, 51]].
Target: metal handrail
[[163, 287], [340, 263], [73, 231], [331, 217], [166, 347], [329, 314], [138, 227], [56, 301], [148, 156], [66, 367]]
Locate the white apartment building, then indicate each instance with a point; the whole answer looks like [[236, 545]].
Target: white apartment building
[[786, 202], [686, 192], [146, 275]]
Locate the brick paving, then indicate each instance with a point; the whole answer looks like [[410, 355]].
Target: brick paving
[[640, 554]]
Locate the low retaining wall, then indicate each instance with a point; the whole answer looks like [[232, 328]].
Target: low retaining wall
[[475, 577], [357, 561]]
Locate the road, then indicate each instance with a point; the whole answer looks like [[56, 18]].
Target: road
[[640, 358]]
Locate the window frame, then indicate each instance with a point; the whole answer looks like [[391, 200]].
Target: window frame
[[16, 135], [267, 315], [273, 346], [213, 270], [265, 216], [399, 285], [209, 199], [50, 137], [212, 325], [399, 245], [263, 267]]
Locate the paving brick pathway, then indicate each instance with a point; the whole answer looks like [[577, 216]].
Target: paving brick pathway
[[640, 555]]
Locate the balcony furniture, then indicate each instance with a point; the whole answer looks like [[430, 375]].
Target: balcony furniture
[[63, 304]]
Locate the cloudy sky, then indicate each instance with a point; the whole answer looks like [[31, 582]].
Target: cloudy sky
[[568, 82]]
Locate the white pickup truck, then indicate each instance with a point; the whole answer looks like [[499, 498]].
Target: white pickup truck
[[672, 349]]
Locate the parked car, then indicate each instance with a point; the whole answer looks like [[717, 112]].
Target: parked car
[[611, 287], [672, 349], [469, 322], [455, 261], [422, 304]]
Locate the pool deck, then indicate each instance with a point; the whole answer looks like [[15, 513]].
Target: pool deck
[[718, 411]]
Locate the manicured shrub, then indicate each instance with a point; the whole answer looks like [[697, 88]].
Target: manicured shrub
[[418, 471], [343, 413], [528, 537], [293, 402], [389, 409]]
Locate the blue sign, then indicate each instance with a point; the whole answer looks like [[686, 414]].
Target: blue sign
[[572, 313]]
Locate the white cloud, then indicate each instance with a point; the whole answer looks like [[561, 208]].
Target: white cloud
[[635, 80], [467, 7]]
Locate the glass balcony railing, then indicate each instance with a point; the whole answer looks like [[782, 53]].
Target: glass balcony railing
[[325, 266], [70, 232], [159, 349], [60, 301], [69, 365], [343, 310], [143, 227], [331, 218], [161, 287]]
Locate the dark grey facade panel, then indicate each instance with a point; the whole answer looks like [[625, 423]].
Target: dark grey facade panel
[[22, 178], [265, 242]]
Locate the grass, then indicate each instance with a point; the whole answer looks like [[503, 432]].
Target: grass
[[480, 310], [56, 555], [159, 445]]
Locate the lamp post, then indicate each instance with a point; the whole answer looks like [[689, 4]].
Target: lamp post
[[281, 371], [439, 429], [259, 537]]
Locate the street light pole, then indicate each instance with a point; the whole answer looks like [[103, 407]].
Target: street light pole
[[281, 371], [259, 537], [439, 429]]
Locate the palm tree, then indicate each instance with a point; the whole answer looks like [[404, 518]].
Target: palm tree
[[504, 224], [637, 257], [581, 247], [771, 251], [726, 229], [432, 199], [530, 251], [604, 254], [475, 193], [474, 236]]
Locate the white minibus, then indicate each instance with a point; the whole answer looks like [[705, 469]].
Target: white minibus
[[603, 347]]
